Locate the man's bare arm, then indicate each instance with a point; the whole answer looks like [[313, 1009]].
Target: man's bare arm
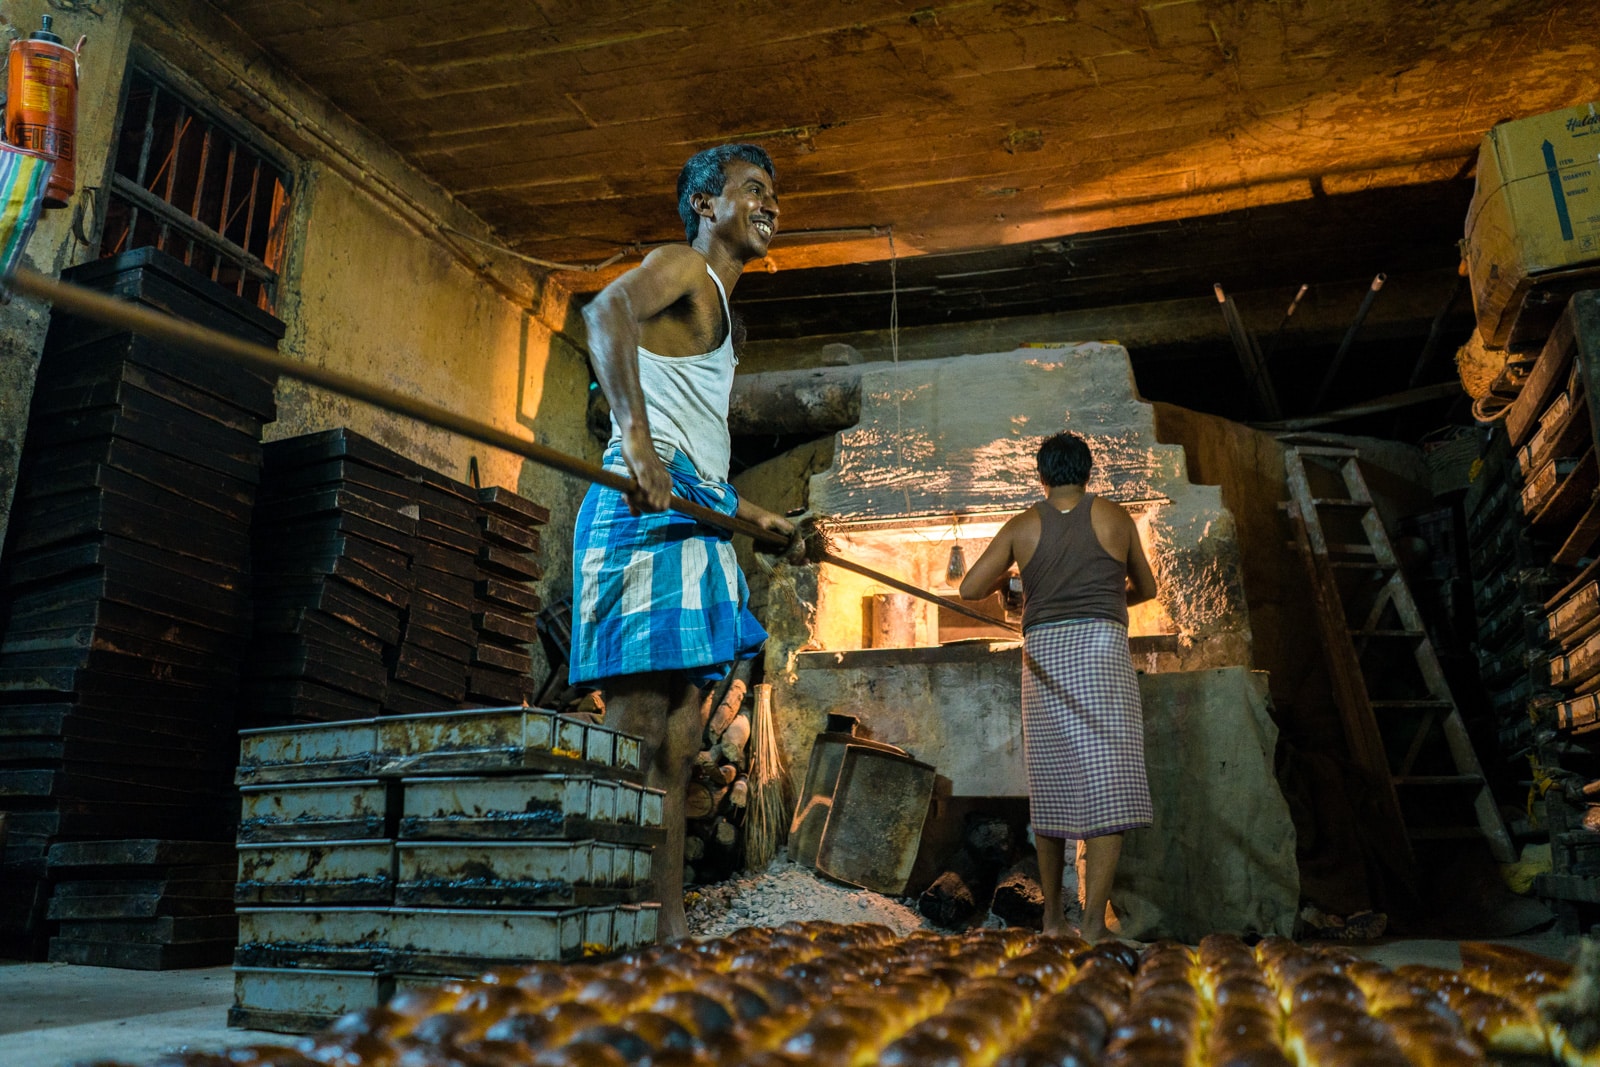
[[992, 569], [1141, 579], [771, 520], [614, 318], [767, 520]]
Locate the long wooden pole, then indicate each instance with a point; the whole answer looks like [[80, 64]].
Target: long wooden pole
[[91, 304]]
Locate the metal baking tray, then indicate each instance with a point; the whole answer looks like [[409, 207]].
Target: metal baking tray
[[1575, 615], [523, 807], [313, 811], [490, 874], [1575, 666], [347, 939], [324, 872], [462, 941], [504, 807], [300, 1000], [486, 739], [306, 753]]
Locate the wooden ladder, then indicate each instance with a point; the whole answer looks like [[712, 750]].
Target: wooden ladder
[[1400, 719]]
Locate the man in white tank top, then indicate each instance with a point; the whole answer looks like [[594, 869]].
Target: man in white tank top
[[659, 603]]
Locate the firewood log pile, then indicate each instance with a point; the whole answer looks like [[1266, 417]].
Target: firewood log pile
[[719, 792], [718, 800], [971, 881], [855, 994]]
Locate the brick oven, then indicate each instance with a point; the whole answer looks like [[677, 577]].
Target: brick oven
[[942, 454]]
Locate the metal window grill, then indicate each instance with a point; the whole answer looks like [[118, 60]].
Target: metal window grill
[[198, 190]]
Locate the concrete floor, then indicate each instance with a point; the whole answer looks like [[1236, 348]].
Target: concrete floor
[[57, 1015]]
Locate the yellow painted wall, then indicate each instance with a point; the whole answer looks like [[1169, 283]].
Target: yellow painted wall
[[370, 286], [368, 295], [53, 247]]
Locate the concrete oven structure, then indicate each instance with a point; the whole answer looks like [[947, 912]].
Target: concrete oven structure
[[943, 453]]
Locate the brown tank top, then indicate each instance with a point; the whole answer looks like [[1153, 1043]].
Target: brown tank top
[[1071, 576]]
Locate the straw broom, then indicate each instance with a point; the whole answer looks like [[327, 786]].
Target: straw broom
[[770, 804]]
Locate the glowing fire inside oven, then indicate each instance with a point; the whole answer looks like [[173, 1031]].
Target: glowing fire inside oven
[[856, 612]]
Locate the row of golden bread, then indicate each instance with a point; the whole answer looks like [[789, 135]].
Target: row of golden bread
[[824, 993]]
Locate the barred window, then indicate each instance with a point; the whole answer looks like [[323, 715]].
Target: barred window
[[199, 188]]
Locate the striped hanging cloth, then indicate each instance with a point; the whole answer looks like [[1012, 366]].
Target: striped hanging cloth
[[23, 176]]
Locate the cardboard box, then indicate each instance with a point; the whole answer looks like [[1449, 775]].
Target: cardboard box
[[1533, 231]]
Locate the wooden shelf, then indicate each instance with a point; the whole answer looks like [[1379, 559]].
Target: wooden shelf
[[1511, 555], [1571, 495], [1549, 375], [1582, 538], [1588, 574], [1567, 436], [1578, 888]]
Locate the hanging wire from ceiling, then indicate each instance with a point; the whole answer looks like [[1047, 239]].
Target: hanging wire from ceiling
[[548, 264], [894, 356], [641, 248]]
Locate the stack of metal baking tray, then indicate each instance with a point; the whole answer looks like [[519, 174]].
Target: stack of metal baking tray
[[124, 588], [412, 848], [430, 663], [145, 904], [383, 587], [335, 534], [505, 603]]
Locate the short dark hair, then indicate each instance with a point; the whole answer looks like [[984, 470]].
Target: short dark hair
[[704, 174], [1064, 460]]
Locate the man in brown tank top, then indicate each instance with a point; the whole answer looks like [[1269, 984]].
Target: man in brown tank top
[[1082, 565]]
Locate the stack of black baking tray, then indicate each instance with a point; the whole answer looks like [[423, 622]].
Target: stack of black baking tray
[[385, 588], [428, 671], [503, 616], [149, 905], [124, 602], [335, 533]]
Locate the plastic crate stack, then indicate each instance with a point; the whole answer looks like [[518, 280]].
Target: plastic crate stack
[[1534, 521], [124, 590], [403, 851]]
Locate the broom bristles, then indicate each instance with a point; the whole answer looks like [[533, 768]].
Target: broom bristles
[[770, 806]]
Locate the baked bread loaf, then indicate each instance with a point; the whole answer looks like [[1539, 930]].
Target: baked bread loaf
[[855, 995]]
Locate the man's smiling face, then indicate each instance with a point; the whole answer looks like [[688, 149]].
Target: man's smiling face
[[746, 211]]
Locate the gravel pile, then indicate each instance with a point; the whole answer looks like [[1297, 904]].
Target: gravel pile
[[787, 892]]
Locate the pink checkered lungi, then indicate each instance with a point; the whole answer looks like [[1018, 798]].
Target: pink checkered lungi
[[1082, 730]]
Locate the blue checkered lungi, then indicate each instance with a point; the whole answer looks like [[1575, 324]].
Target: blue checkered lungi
[[658, 591], [1082, 730]]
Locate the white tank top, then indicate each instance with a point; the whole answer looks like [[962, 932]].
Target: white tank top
[[686, 401]]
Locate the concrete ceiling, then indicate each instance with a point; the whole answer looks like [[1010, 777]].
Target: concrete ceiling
[[1029, 158], [966, 125]]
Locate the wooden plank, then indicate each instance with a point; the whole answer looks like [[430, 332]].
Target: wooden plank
[[1570, 494], [1549, 375], [1583, 536]]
